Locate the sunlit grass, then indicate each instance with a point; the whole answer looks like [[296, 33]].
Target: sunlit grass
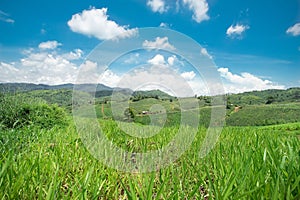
[[246, 163]]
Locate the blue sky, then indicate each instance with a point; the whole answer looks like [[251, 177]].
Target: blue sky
[[254, 44]]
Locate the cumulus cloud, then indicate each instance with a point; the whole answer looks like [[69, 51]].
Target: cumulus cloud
[[171, 60], [294, 30], [188, 75], [204, 52], [157, 5], [199, 8], [157, 60], [49, 45], [164, 25], [9, 72], [235, 83], [74, 55], [156, 77], [87, 73], [109, 78], [95, 23], [159, 43], [236, 30], [42, 65]]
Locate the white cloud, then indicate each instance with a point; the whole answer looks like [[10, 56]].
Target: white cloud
[[157, 5], [49, 45], [199, 8], [8, 72], [204, 52], [157, 60], [133, 59], [109, 78], [164, 25], [171, 60], [159, 43], [156, 77], [237, 30], [74, 55], [42, 66], [294, 30], [235, 83], [188, 75], [95, 22], [5, 18], [49, 68]]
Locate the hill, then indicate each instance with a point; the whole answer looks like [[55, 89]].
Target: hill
[[157, 94], [26, 87], [265, 97]]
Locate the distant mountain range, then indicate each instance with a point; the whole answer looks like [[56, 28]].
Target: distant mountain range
[[26, 87], [100, 90]]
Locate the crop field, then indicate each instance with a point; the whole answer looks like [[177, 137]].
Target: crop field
[[246, 163], [44, 157]]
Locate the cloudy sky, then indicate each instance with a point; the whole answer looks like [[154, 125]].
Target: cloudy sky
[[254, 45]]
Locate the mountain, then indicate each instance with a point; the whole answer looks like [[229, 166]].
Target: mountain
[[26, 87], [100, 90]]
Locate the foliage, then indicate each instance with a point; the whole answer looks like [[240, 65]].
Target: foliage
[[17, 111], [265, 115], [156, 94], [265, 97], [246, 163]]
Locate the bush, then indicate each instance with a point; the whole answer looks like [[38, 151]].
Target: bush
[[17, 112]]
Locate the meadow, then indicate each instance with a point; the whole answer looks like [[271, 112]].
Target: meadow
[[246, 163], [43, 156]]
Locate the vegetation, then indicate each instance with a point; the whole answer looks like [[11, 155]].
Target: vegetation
[[43, 157], [156, 94], [265, 97], [247, 163], [262, 115], [18, 112]]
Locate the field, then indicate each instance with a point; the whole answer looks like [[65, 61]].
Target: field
[[44, 157], [247, 163]]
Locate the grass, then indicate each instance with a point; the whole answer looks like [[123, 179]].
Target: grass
[[246, 163], [261, 115]]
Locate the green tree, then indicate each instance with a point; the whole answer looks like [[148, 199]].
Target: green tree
[[129, 114]]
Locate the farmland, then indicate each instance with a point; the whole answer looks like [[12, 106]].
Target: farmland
[[257, 155]]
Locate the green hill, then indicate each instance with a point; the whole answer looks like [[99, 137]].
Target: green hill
[[265, 97], [261, 115], [157, 94]]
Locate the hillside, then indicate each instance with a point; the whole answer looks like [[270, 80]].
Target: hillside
[[246, 98], [265, 97], [157, 94], [256, 108], [100, 90], [26, 87]]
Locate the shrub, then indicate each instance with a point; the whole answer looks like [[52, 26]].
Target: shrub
[[17, 112]]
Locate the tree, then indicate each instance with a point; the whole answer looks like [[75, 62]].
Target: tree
[[270, 100], [129, 114]]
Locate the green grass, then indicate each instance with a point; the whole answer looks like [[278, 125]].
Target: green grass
[[246, 163], [51, 162], [265, 115]]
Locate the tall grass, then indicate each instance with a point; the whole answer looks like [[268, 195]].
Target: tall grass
[[246, 163]]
